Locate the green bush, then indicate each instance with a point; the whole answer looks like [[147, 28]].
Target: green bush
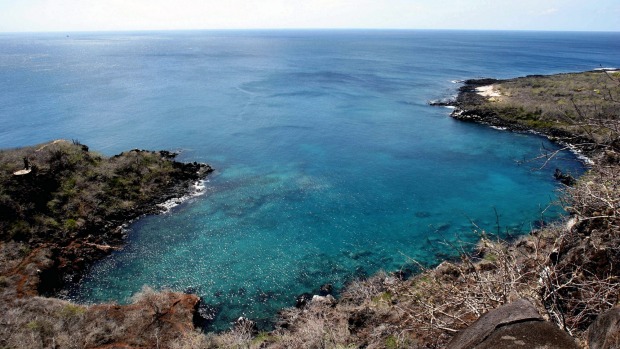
[[71, 311], [70, 225]]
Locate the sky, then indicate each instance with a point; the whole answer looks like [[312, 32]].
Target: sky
[[118, 15]]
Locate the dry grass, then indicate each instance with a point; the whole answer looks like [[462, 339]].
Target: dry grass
[[584, 277], [154, 320]]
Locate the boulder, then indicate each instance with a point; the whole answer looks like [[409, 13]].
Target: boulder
[[513, 325], [326, 290], [302, 300], [604, 333], [564, 178], [447, 269], [328, 300], [246, 325], [529, 334]]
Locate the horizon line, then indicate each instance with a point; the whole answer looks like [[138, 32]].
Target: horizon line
[[301, 29]]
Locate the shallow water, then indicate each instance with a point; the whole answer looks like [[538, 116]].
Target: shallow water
[[330, 164]]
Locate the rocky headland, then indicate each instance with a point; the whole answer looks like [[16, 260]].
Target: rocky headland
[[574, 109], [62, 208]]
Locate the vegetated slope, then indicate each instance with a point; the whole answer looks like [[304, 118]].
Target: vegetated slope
[[570, 271], [61, 209]]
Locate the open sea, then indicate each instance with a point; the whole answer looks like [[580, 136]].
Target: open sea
[[330, 164]]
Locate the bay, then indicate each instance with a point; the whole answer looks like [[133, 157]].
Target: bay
[[330, 164]]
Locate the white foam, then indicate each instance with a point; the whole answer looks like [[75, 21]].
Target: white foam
[[198, 189], [586, 160]]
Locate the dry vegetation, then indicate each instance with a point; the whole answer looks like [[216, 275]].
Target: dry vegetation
[[154, 320], [72, 190]]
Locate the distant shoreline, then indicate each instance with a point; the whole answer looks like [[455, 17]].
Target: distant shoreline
[[480, 101]]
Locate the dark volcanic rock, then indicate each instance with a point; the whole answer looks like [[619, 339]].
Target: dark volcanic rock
[[443, 103], [359, 319], [473, 83], [326, 289], [564, 178]]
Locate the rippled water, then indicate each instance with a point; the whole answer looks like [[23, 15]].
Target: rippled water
[[330, 164]]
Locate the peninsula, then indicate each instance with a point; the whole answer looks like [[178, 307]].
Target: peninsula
[[579, 109]]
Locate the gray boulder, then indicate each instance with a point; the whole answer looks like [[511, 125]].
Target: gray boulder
[[513, 325]]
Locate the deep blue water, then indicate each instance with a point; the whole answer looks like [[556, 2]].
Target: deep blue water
[[330, 164]]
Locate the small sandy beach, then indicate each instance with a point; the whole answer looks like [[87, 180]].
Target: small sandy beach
[[488, 91]]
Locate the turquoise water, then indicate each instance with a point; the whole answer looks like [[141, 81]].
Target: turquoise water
[[329, 163]]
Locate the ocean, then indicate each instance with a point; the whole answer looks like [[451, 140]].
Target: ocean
[[330, 164]]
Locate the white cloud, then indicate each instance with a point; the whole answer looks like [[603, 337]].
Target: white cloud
[[549, 11]]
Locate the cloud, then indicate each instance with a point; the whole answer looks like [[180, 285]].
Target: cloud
[[549, 11]]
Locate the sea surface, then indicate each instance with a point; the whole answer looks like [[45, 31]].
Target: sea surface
[[330, 164]]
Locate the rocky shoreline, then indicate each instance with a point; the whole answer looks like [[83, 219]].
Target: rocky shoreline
[[64, 207], [73, 257]]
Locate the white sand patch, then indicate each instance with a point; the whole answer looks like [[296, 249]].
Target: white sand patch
[[488, 91]]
